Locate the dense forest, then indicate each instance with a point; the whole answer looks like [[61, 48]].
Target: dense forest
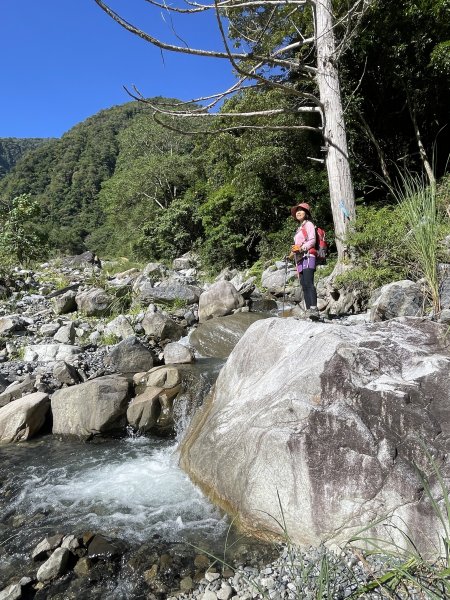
[[121, 184], [12, 149]]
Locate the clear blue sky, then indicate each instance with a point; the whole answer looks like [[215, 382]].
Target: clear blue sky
[[64, 60]]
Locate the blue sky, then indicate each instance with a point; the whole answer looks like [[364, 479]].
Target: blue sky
[[64, 60]]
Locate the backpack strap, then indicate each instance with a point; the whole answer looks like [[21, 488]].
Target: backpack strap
[[312, 251]]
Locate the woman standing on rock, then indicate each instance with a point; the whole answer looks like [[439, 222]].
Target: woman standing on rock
[[304, 253]]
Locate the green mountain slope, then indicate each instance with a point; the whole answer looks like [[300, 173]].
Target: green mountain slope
[[12, 150], [66, 175]]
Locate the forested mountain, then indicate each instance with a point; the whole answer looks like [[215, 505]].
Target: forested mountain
[[65, 176], [12, 149]]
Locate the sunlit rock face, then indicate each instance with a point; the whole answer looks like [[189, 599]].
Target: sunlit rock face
[[90, 408], [327, 422]]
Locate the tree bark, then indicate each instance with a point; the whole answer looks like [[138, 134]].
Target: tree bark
[[342, 196]]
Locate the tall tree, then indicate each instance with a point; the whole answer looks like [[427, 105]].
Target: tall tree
[[287, 45]]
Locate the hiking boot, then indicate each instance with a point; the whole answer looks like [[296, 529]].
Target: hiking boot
[[313, 313]]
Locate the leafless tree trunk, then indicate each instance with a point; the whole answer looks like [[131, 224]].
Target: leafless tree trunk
[[337, 161]]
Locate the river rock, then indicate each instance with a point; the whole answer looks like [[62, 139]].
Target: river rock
[[153, 409], [12, 323], [398, 299], [161, 326], [43, 549], [444, 286], [55, 566], [12, 592], [49, 329], [96, 406], [219, 300], [164, 377], [94, 302], [183, 262], [264, 305], [4, 383], [120, 327], [126, 278], [275, 278], [325, 421], [216, 338], [65, 303], [130, 356], [144, 409], [155, 271], [65, 334], [445, 316], [166, 292], [175, 353], [51, 353], [66, 374], [23, 418], [17, 389]]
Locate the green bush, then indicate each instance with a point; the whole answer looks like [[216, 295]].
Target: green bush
[[19, 238], [378, 246]]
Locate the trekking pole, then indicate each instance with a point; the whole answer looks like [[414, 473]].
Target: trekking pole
[[284, 287]]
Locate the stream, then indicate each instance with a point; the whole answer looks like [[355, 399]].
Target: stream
[[128, 489]]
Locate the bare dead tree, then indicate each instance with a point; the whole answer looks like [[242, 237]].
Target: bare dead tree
[[308, 52]]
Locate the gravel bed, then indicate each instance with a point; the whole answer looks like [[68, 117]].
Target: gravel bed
[[299, 575]]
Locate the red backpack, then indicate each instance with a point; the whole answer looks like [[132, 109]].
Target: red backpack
[[321, 247]]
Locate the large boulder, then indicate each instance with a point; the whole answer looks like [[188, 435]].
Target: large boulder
[[90, 408], [444, 287], [219, 300], [153, 410], [17, 389], [12, 323], [65, 303], [398, 299], [325, 422], [175, 353], [23, 418], [216, 338]]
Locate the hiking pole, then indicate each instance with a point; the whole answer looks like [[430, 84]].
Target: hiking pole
[[284, 287]]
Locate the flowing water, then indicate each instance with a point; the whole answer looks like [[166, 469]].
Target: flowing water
[[129, 489]]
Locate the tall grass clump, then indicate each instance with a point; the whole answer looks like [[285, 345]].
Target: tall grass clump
[[417, 202]]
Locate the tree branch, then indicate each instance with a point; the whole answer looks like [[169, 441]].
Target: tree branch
[[237, 127], [187, 49]]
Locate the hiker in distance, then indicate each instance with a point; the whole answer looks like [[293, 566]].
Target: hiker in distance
[[305, 255]]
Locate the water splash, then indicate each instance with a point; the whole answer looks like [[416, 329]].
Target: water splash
[[132, 488]]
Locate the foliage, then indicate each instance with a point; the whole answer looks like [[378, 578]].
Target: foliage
[[401, 241], [397, 68], [18, 239], [109, 339], [12, 149], [65, 175], [418, 204], [377, 241]]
